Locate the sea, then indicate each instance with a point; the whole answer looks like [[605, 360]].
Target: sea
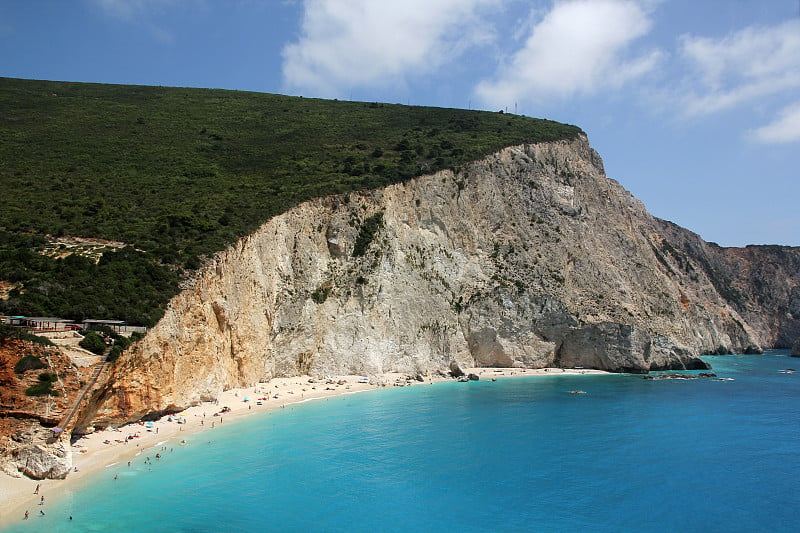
[[516, 454]]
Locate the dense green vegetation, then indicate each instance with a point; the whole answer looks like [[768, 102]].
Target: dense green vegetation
[[180, 173], [125, 284]]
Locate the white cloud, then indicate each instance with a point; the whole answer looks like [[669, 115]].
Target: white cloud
[[784, 129], [365, 43], [579, 47], [742, 67]]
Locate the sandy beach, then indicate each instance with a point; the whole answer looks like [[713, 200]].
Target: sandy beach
[[99, 450]]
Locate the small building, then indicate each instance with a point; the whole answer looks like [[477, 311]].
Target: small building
[[91, 324], [11, 320], [42, 324], [118, 326]]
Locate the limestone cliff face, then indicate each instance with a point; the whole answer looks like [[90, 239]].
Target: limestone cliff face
[[530, 257], [762, 283]]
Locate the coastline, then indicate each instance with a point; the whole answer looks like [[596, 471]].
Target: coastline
[[95, 452]]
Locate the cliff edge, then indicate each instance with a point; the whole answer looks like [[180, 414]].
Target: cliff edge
[[531, 257]]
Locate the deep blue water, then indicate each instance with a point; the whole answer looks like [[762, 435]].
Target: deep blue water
[[512, 455]]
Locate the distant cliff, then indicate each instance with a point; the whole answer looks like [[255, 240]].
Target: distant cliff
[[762, 283], [530, 257]]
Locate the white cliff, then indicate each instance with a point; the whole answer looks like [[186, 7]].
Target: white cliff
[[530, 257]]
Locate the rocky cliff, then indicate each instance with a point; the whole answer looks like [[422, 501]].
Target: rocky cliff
[[762, 283], [530, 257], [26, 422]]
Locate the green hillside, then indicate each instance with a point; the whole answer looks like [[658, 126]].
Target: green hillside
[[179, 173]]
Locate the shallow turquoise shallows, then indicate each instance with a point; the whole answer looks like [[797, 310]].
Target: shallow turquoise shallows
[[512, 455]]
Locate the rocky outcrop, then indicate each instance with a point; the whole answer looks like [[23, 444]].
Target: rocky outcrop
[[796, 349], [38, 461], [26, 422], [530, 258]]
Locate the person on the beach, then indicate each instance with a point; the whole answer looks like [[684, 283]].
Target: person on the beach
[[37, 489], [42, 502], [41, 512], [26, 515]]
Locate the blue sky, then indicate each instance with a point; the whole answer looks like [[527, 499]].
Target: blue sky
[[694, 105]]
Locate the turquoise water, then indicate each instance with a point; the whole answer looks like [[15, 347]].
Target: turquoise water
[[512, 455]]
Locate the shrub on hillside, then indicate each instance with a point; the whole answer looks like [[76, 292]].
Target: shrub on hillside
[[367, 233], [93, 342], [114, 354], [29, 362], [44, 387], [120, 345]]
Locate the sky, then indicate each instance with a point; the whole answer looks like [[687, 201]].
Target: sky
[[693, 105]]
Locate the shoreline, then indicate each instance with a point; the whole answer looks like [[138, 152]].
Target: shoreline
[[103, 449]]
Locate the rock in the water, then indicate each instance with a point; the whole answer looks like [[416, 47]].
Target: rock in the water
[[473, 377]]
